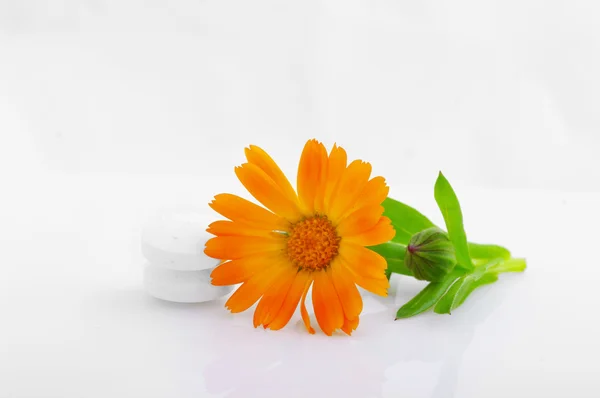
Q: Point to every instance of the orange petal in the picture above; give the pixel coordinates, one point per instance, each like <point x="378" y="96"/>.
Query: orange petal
<point x="304" y="313"/>
<point x="382" y="232"/>
<point x="366" y="262"/>
<point x="378" y="285"/>
<point x="272" y="301"/>
<point x="350" y="325"/>
<point x="240" y="270"/>
<point x="232" y="228"/>
<point x="234" y="247"/>
<point x="310" y="169"/>
<point x="360" y="221"/>
<point x="328" y="310"/>
<point x="320" y="194"/>
<point x="373" y="193"/>
<point x="250" y="291"/>
<point x="346" y="290"/>
<point x="351" y="184"/>
<point x="264" y="189"/>
<point x="243" y="211"/>
<point x="291" y="301"/>
<point x="260" y="158"/>
<point x="336" y="166"/>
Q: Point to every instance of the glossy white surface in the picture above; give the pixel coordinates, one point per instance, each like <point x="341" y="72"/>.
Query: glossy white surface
<point x="111" y="110"/>
<point x="75" y="314"/>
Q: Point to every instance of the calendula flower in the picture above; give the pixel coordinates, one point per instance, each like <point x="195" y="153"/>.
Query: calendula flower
<point x="315" y="237"/>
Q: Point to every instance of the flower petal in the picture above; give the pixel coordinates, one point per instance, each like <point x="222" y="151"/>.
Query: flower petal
<point x="328" y="310"/>
<point x="350" y="325"/>
<point x="374" y="193"/>
<point x="234" y="247"/>
<point x="347" y="292"/>
<point x="367" y="267"/>
<point x="291" y="301"/>
<point x="378" y="285"/>
<point x="335" y="168"/>
<point x="232" y="228"/>
<point x="243" y="211"/>
<point x="320" y="194"/>
<point x="348" y="189"/>
<point x="240" y="270"/>
<point x="250" y="291"/>
<point x="304" y="313"/>
<point x="272" y="301"/>
<point x="368" y="263"/>
<point x="360" y="221"/>
<point x="260" y="158"/>
<point x="382" y="232"/>
<point x="310" y="171"/>
<point x="264" y="189"/>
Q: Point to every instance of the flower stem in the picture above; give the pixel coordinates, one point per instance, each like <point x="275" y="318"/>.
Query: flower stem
<point x="394" y="254"/>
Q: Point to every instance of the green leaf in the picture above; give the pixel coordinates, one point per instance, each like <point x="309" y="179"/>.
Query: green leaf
<point x="405" y="220"/>
<point x="456" y="295"/>
<point x="428" y="296"/>
<point x="461" y="290"/>
<point x="511" y="265"/>
<point x="444" y="305"/>
<point x="485" y="252"/>
<point x="486" y="279"/>
<point x="450" y="208"/>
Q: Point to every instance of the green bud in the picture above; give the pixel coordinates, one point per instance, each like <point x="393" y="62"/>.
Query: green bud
<point x="430" y="255"/>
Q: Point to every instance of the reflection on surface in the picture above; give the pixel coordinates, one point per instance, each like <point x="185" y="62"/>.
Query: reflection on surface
<point x="374" y="362"/>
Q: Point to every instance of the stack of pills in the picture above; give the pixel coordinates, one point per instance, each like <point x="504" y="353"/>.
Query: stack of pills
<point x="177" y="268"/>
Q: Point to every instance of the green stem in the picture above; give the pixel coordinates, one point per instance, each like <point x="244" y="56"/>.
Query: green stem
<point x="391" y="250"/>
<point x="394" y="254"/>
<point x="397" y="267"/>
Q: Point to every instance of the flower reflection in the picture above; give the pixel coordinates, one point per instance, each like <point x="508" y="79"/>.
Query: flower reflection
<point x="293" y="364"/>
<point x="375" y="362"/>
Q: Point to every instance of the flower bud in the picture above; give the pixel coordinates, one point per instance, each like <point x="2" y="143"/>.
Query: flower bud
<point x="430" y="255"/>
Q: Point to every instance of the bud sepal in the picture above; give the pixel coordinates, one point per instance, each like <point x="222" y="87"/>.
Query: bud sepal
<point x="430" y="255"/>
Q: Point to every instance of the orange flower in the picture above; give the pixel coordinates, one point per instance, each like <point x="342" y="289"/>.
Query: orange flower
<point x="316" y="237"/>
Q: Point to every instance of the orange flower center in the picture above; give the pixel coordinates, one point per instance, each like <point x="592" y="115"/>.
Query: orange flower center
<point x="313" y="243"/>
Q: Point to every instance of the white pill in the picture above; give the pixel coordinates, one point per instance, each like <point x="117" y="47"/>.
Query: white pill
<point x="182" y="286"/>
<point x="175" y="237"/>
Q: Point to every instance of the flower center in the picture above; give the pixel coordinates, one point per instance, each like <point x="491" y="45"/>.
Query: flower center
<point x="313" y="243"/>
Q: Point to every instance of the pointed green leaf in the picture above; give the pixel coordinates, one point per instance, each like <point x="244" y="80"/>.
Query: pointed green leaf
<point x="456" y="295"/>
<point x="461" y="290"/>
<point x="444" y="305"/>
<point x="467" y="290"/>
<point x="428" y="296"/>
<point x="479" y="251"/>
<point x="405" y="220"/>
<point x="450" y="208"/>
<point x="511" y="265"/>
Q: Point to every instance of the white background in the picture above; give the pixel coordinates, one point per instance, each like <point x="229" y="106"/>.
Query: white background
<point x="111" y="109"/>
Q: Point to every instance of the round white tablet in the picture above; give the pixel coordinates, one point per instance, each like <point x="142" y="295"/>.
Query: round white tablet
<point x="175" y="237"/>
<point x="182" y="286"/>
